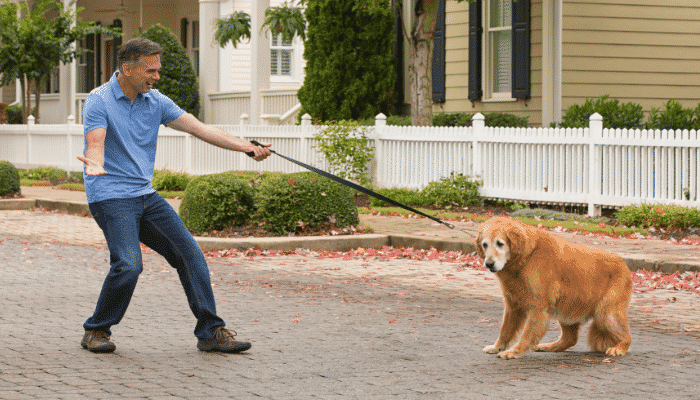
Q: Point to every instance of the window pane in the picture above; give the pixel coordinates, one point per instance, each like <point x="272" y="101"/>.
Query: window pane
<point x="195" y="34"/>
<point x="500" y="13"/>
<point x="286" y="67"/>
<point x="502" y="61"/>
<point x="274" y="63"/>
<point x="275" y="40"/>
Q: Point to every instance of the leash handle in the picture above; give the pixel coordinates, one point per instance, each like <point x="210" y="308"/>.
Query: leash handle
<point x="255" y="142"/>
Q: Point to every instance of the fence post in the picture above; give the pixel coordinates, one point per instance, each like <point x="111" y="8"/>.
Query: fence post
<point x="478" y="131"/>
<point x="595" y="172"/>
<point x="69" y="143"/>
<point x="379" y="124"/>
<point x="305" y="139"/>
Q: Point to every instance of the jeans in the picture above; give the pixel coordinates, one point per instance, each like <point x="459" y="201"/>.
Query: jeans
<point x="151" y="220"/>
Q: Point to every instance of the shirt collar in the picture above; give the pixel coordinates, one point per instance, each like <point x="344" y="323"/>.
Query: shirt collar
<point x="117" y="89"/>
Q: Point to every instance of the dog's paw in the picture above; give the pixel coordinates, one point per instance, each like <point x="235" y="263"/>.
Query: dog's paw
<point x="491" y="349"/>
<point x="509" y="354"/>
<point x="614" y="351"/>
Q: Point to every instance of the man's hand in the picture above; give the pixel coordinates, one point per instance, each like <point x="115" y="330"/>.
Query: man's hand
<point x="92" y="167"/>
<point x="261" y="153"/>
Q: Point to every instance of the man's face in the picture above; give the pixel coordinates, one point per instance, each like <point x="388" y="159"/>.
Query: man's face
<point x="144" y="74"/>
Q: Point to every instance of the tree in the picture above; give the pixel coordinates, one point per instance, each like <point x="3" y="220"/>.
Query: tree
<point x="349" y="64"/>
<point x="177" y="77"/>
<point x="420" y="39"/>
<point x="34" y="41"/>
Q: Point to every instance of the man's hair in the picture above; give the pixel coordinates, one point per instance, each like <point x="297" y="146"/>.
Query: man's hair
<point x="132" y="51"/>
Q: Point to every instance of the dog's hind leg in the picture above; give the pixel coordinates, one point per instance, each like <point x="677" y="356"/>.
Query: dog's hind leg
<point x="610" y="332"/>
<point x="568" y="338"/>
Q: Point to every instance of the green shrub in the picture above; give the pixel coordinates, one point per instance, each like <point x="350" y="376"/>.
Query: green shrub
<point x="397" y="120"/>
<point x="213" y="202"/>
<point x="349" y="64"/>
<point x="456" y="190"/>
<point x="44" y="173"/>
<point x="14" y="114"/>
<point x="490" y="119"/>
<point x="452" y="119"/>
<point x="289" y="202"/>
<point x="409" y="197"/>
<point x="506" y="120"/>
<point x="347" y="149"/>
<point x="177" y="77"/>
<point x="615" y="114"/>
<point x="9" y="178"/>
<point x="674" y="116"/>
<point x="658" y="216"/>
<point x="168" y="180"/>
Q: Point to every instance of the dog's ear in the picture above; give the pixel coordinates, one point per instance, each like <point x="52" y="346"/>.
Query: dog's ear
<point x="479" y="250"/>
<point x="522" y="242"/>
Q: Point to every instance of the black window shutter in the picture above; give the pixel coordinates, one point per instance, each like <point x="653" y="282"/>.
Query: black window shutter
<point x="183" y="32"/>
<point x="521" y="49"/>
<point x="475" y="32"/>
<point x="438" y="80"/>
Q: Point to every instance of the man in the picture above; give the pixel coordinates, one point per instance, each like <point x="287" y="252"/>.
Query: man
<point x="121" y="120"/>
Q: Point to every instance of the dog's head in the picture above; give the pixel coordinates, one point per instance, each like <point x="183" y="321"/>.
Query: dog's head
<point x="502" y="241"/>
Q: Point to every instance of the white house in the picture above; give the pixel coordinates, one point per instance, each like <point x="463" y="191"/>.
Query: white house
<point x="264" y="66"/>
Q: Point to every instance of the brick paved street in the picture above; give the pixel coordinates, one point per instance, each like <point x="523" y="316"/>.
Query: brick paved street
<point x="321" y="328"/>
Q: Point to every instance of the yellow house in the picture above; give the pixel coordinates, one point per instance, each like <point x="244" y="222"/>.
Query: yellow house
<point x="640" y="51"/>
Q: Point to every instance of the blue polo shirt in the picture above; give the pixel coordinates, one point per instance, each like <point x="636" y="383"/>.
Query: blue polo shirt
<point x="130" y="143"/>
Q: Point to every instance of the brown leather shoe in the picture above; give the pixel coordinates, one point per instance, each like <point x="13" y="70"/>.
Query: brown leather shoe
<point x="223" y="342"/>
<point x="97" y="342"/>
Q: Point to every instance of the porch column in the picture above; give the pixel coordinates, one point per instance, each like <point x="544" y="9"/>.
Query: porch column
<point x="260" y="60"/>
<point x="551" y="61"/>
<point x="67" y="74"/>
<point x="208" y="56"/>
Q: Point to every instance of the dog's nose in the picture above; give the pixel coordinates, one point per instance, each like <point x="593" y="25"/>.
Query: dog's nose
<point x="491" y="265"/>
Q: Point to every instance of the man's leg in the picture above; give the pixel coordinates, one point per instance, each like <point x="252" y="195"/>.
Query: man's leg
<point x="118" y="219"/>
<point x="163" y="231"/>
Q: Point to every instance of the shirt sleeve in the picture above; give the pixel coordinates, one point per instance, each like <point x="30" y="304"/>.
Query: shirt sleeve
<point x="94" y="113"/>
<point x="169" y="110"/>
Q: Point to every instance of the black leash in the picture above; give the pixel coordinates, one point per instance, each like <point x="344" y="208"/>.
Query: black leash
<point x="360" y="189"/>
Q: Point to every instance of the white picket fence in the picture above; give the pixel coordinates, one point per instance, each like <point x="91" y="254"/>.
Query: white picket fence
<point x="589" y="166"/>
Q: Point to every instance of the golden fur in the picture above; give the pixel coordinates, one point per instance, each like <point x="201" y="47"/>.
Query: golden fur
<point x="544" y="276"/>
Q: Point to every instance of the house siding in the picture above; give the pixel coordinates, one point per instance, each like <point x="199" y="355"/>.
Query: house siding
<point x="640" y="51"/>
<point x="457" y="67"/>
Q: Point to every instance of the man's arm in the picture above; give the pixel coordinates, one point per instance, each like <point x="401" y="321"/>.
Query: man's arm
<point x="218" y="137"/>
<point x="95" y="152"/>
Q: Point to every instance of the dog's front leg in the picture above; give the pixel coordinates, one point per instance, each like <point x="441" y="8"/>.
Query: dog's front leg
<point x="513" y="320"/>
<point x="535" y="328"/>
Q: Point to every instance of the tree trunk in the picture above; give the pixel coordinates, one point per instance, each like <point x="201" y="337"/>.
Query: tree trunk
<point x="37" y="97"/>
<point x="26" y="100"/>
<point x="420" y="68"/>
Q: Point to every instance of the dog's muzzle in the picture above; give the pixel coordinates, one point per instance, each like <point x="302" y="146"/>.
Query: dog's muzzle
<point x="491" y="265"/>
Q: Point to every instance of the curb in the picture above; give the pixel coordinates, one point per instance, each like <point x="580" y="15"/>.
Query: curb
<point x="341" y="243"/>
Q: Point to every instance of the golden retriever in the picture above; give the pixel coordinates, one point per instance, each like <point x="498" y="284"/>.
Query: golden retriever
<point x="544" y="276"/>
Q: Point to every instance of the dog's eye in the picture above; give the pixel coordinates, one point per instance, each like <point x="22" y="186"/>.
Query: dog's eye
<point x="484" y="245"/>
<point x="500" y="244"/>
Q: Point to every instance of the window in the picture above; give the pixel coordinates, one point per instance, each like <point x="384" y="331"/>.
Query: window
<point x="502" y="29"/>
<point x="498" y="44"/>
<point x="281" y="53"/>
<point x="190" y="41"/>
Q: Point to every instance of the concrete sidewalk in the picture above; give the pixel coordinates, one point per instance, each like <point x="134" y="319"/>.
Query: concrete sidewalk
<point x="649" y="254"/>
